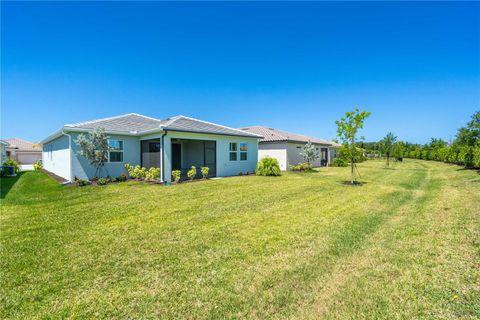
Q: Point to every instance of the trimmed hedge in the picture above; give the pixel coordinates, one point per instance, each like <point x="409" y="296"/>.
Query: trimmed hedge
<point x="462" y="155"/>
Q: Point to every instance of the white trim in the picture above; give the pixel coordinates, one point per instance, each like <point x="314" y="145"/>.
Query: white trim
<point x="122" y="151"/>
<point x="58" y="133"/>
<point x="230" y="151"/>
<point x="240" y="151"/>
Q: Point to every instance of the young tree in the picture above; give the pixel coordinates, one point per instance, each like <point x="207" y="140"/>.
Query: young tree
<point x="347" y="129"/>
<point x="94" y="148"/>
<point x="470" y="135"/>
<point x="387" y="145"/>
<point x="309" y="153"/>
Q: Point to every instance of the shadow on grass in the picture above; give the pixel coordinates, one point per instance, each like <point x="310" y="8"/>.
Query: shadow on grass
<point x="6" y="183"/>
<point x="354" y="184"/>
<point x="305" y="171"/>
<point x="469" y="169"/>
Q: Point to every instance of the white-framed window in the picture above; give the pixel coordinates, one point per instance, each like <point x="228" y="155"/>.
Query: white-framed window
<point x="233" y="151"/>
<point x="243" y="151"/>
<point x="115" y="153"/>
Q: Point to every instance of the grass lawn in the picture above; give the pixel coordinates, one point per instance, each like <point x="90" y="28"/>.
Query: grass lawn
<point x="406" y="244"/>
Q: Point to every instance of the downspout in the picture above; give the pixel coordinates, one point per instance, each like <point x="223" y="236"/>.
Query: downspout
<point x="162" y="178"/>
<point x="70" y="149"/>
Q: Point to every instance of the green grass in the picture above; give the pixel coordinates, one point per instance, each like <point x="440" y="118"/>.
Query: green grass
<point x="406" y="244"/>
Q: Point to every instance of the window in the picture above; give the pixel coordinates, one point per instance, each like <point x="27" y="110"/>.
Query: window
<point x="233" y="151"/>
<point x="115" y="153"/>
<point x="243" y="151"/>
<point x="154" y="147"/>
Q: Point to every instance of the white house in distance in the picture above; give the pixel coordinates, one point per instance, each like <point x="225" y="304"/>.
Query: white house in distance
<point x="286" y="146"/>
<point x="23" y="151"/>
<point x="175" y="143"/>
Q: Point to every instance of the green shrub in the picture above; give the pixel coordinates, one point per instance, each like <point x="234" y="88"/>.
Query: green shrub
<point x="37" y="166"/>
<point x="176" y="175"/>
<point x="122" y="177"/>
<point x="339" y="162"/>
<point x="204" y="171"/>
<point x="466" y="156"/>
<point x="301" y="167"/>
<point x="136" y="172"/>
<point x="268" y="167"/>
<point x="3" y="172"/>
<point x="12" y="163"/>
<point x="102" y="181"/>
<point x="152" y="173"/>
<point x="476" y="157"/>
<point x="192" y="173"/>
<point x="80" y="182"/>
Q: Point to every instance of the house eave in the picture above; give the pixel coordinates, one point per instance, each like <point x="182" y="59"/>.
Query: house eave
<point x="215" y="133"/>
<point x="64" y="129"/>
<point x="60" y="132"/>
<point x="297" y="141"/>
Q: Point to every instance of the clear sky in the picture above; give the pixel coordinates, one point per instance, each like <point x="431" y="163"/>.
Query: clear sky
<point x="292" y="66"/>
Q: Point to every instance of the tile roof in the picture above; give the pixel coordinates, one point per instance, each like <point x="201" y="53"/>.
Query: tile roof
<point x="22" y="145"/>
<point x="275" y="135"/>
<point x="128" y="123"/>
<point x="137" y="124"/>
<point x="183" y="123"/>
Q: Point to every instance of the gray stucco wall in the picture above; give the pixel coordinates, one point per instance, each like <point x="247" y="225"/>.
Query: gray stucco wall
<point x="60" y="162"/>
<point x="56" y="157"/>
<point x="225" y="167"/>
<point x="82" y="168"/>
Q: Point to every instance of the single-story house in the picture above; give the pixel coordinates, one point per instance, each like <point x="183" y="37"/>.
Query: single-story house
<point x="3" y="151"/>
<point x="286" y="146"/>
<point x="175" y="143"/>
<point x="25" y="152"/>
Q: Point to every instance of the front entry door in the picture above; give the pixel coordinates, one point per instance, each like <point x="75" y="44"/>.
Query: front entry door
<point x="210" y="157"/>
<point x="324" y="158"/>
<point x="176" y="156"/>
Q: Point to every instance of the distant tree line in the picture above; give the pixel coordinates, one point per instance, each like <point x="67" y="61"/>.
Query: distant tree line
<point x="464" y="150"/>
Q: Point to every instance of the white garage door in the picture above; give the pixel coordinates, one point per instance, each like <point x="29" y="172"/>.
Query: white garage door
<point x="28" y="158"/>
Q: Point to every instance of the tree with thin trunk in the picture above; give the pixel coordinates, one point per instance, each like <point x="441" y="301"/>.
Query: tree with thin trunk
<point x="347" y="130"/>
<point x="387" y="145"/>
<point x="94" y="148"/>
<point x="309" y="153"/>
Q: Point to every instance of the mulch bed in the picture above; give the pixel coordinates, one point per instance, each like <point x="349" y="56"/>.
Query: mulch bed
<point x="55" y="177"/>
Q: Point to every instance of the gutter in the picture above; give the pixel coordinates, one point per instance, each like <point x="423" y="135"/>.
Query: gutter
<point x="70" y="150"/>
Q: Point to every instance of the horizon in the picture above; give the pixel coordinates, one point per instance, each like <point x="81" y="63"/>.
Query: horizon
<point x="296" y="67"/>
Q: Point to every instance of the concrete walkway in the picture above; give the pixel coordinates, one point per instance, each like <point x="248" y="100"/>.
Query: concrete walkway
<point x="26" y="167"/>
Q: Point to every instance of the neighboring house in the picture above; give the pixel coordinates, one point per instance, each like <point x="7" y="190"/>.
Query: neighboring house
<point x="25" y="152"/>
<point x="286" y="147"/>
<point x="172" y="144"/>
<point x="3" y="151"/>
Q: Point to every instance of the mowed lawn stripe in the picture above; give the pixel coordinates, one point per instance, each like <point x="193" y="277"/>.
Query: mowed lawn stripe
<point x="296" y="246"/>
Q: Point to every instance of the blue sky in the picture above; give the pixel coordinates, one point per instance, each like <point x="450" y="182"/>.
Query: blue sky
<point x="293" y="66"/>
